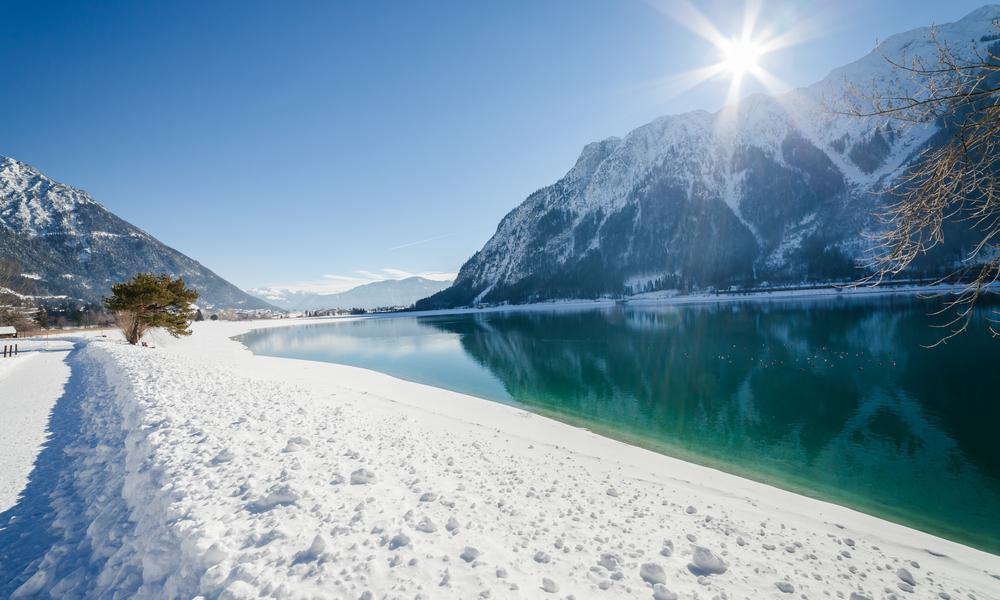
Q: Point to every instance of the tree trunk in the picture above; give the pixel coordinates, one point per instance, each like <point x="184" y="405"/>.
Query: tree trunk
<point x="133" y="337"/>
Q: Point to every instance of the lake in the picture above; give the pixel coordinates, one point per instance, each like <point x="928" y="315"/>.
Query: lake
<point x="833" y="398"/>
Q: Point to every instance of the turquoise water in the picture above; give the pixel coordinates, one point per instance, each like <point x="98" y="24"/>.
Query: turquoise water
<point x="835" y="398"/>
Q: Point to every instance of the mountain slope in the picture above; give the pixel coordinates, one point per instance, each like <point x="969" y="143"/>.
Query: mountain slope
<point x="66" y="244"/>
<point x="391" y="292"/>
<point x="775" y="190"/>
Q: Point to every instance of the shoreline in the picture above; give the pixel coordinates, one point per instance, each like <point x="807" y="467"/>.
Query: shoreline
<point x="585" y="431"/>
<point x="652" y="299"/>
<point x="532" y="497"/>
<point x="767" y="477"/>
<point x="610" y="432"/>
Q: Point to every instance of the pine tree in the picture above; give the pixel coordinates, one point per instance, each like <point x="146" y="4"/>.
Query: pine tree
<point x="150" y="301"/>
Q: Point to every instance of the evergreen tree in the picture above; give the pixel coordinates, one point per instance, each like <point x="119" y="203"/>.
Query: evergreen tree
<point x="149" y="301"/>
<point x="42" y="318"/>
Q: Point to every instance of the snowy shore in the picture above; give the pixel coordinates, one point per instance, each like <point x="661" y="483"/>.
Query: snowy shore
<point x="195" y="468"/>
<point x="665" y="298"/>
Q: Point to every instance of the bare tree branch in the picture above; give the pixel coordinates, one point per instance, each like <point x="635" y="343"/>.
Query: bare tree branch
<point x="954" y="182"/>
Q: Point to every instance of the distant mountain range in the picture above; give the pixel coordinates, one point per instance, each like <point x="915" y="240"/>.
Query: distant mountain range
<point x="777" y="190"/>
<point x="67" y="245"/>
<point x="391" y="292"/>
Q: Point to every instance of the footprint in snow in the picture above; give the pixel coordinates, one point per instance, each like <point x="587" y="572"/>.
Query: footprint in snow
<point x="296" y="444"/>
<point x="705" y="562"/>
<point x="361" y="477"/>
<point x="278" y="496"/>
<point x="426" y="525"/>
<point x="314" y="551"/>
<point x="223" y="457"/>
<point x="652" y="573"/>
<point x="469" y="554"/>
<point x="785" y="587"/>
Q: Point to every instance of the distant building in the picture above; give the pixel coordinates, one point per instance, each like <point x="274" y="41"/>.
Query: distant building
<point x="8" y="331"/>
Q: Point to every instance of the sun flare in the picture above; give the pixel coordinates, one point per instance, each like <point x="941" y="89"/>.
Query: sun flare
<point x="739" y="56"/>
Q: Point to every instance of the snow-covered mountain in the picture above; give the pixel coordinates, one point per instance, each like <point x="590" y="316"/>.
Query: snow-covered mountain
<point x="391" y="292"/>
<point x="774" y="190"/>
<point x="66" y="244"/>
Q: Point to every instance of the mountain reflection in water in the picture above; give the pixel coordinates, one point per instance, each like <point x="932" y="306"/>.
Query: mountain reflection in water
<point x="837" y="399"/>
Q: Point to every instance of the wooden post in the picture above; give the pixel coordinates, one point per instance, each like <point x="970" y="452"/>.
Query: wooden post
<point x="15" y="349"/>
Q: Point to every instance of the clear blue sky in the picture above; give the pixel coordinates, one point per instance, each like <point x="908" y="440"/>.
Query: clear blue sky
<point x="278" y="142"/>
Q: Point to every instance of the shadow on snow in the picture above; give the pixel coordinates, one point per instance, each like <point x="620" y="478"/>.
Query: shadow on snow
<point x="44" y="535"/>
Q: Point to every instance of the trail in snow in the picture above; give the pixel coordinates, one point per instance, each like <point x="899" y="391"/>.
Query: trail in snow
<point x="30" y="383"/>
<point x="61" y="538"/>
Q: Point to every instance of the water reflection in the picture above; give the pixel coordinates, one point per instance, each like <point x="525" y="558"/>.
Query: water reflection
<point x="836" y="398"/>
<point x="405" y="347"/>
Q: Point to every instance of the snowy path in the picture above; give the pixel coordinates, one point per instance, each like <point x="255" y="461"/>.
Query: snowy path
<point x="30" y="383"/>
<point x="61" y="535"/>
<point x="196" y="468"/>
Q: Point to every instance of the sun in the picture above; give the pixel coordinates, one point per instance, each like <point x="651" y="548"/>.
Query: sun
<point x="739" y="56"/>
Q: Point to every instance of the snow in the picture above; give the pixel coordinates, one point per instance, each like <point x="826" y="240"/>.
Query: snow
<point x="34" y="205"/>
<point x="29" y="385"/>
<point x="479" y="297"/>
<point x="694" y="150"/>
<point x="10" y="292"/>
<point x="195" y="468"/>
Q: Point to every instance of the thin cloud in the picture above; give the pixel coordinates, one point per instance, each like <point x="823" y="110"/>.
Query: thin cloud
<point x="342" y="278"/>
<point x="397" y="273"/>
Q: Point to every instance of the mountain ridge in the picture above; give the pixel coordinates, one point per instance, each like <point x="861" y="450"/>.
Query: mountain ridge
<point x="67" y="245"/>
<point x="776" y="189"/>
<point x="377" y="294"/>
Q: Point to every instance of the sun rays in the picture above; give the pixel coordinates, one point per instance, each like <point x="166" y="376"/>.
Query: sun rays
<point x="739" y="55"/>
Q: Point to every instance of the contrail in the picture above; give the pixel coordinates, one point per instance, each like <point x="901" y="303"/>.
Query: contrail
<point x="407" y="245"/>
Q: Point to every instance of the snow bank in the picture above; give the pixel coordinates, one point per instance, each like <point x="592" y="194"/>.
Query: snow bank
<point x="199" y="469"/>
<point x="101" y="507"/>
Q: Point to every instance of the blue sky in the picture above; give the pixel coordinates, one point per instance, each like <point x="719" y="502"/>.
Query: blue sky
<point x="322" y="144"/>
